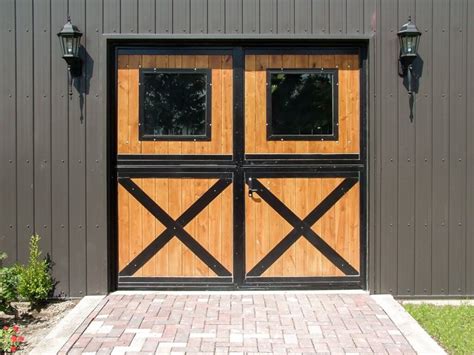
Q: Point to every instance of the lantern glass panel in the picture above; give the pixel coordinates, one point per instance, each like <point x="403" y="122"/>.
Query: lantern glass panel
<point x="62" y="41"/>
<point x="409" y="44"/>
<point x="75" y="46"/>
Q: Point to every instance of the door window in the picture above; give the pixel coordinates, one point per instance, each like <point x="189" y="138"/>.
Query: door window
<point x="175" y="104"/>
<point x="302" y="104"/>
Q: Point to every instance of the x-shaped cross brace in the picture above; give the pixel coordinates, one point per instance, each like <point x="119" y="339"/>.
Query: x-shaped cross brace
<point x="174" y="227"/>
<point x="302" y="228"/>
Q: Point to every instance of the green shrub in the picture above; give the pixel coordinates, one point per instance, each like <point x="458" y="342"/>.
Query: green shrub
<point x="8" y="288"/>
<point x="35" y="283"/>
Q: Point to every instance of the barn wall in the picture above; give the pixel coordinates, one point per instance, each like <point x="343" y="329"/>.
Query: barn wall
<point x="53" y="158"/>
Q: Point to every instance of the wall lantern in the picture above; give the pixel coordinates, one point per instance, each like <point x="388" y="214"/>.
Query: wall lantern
<point x="70" y="38"/>
<point x="409" y="37"/>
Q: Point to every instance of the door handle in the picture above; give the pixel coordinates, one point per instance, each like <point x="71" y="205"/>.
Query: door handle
<point x="251" y="188"/>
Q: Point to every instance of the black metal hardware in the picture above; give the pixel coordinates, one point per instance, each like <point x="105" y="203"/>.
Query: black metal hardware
<point x="251" y="188"/>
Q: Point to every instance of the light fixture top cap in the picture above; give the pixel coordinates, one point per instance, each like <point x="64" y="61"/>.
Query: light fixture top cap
<point x="69" y="29"/>
<point x="409" y="28"/>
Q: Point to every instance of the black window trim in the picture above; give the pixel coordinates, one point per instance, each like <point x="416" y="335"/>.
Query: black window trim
<point x="150" y="137"/>
<point x="335" y="106"/>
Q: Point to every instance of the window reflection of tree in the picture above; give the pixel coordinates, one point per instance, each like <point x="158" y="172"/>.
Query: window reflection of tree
<point x="175" y="104"/>
<point x="301" y="103"/>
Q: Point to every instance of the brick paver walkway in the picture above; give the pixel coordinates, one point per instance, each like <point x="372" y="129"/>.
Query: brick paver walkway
<point x="272" y="323"/>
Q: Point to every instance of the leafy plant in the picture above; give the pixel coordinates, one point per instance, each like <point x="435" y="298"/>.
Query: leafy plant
<point x="10" y="340"/>
<point x="8" y="288"/>
<point x="35" y="283"/>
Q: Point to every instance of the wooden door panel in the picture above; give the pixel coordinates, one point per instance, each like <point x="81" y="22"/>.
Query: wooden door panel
<point x="128" y="74"/>
<point x="210" y="228"/>
<point x="347" y="66"/>
<point x="269" y="225"/>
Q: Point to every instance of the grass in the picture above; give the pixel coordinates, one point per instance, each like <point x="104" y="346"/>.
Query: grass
<point x="451" y="326"/>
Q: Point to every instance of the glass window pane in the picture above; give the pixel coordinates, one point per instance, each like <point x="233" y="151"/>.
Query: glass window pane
<point x="302" y="104"/>
<point x="174" y="104"/>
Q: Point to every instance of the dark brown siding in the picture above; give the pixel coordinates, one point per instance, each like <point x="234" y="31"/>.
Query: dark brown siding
<point x="53" y="151"/>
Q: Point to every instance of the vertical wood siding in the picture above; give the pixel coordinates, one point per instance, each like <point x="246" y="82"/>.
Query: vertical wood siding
<point x="53" y="150"/>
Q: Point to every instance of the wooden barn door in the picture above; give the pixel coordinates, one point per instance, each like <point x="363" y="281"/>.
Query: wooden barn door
<point x="239" y="168"/>
<point x="304" y="168"/>
<point x="175" y="203"/>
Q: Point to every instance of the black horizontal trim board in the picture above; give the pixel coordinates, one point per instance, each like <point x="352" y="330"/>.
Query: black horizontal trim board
<point x="288" y="172"/>
<point x="174" y="228"/>
<point x="301" y="50"/>
<point x="173" y="157"/>
<point x="302" y="279"/>
<point x="303" y="228"/>
<point x="175" y="172"/>
<point x="307" y="157"/>
<point x="170" y="50"/>
<point x="180" y="279"/>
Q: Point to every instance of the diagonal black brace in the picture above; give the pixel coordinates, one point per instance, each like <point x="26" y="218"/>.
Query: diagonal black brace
<point x="303" y="228"/>
<point x="174" y="228"/>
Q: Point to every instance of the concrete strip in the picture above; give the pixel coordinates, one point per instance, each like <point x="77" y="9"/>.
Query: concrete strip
<point x="466" y="302"/>
<point x="418" y="338"/>
<point x="243" y="293"/>
<point x="59" y="335"/>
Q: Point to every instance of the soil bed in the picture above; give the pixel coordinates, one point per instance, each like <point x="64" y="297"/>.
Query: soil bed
<point x="34" y="326"/>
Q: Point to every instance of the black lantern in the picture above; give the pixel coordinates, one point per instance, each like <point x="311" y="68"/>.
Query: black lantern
<point x="70" y="40"/>
<point x="409" y="37"/>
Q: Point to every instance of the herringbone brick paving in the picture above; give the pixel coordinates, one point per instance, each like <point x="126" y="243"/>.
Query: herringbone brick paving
<point x="265" y="323"/>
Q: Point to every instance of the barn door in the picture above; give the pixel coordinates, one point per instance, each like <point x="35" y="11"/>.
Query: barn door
<point x="239" y="168"/>
<point x="303" y="171"/>
<point x="174" y="116"/>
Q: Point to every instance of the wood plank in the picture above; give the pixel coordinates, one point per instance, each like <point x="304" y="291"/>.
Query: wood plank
<point x="188" y="259"/>
<point x="228" y="89"/>
<point x="301" y="210"/>
<point x="215" y="212"/>
<point x="148" y="225"/>
<point x="250" y="230"/>
<point x="250" y="105"/>
<point x="161" y="197"/>
<point x="202" y="61"/>
<point x="135" y="241"/>
<point x="122" y="104"/>
<point x="133" y="108"/>
<point x="289" y="199"/>
<point x="123" y="227"/>
<point x="261" y="64"/>
<point x="227" y="228"/>
<point x="215" y="63"/>
<point x="275" y="230"/>
<point x="175" y="265"/>
<point x="148" y="61"/>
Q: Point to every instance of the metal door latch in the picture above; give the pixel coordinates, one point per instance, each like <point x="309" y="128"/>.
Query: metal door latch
<point x="251" y="188"/>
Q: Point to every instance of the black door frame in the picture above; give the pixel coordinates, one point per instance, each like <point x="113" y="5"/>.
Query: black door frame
<point x="239" y="166"/>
